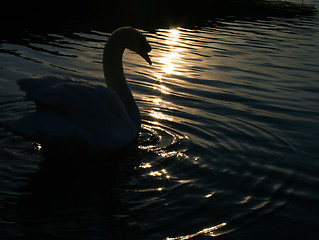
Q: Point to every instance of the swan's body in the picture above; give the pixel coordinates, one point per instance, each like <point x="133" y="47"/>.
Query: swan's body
<point x="76" y="113"/>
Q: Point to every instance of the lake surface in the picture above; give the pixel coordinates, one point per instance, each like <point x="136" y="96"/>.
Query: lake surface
<point x="229" y="144"/>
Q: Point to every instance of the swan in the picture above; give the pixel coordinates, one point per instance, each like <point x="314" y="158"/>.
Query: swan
<point x="74" y="114"/>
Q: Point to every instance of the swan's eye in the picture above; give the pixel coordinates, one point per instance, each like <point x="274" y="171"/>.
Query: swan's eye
<point x="145" y="46"/>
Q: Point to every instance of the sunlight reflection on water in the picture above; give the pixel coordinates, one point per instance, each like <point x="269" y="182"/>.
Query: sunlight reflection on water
<point x="231" y="71"/>
<point x="207" y="231"/>
<point x="170" y="60"/>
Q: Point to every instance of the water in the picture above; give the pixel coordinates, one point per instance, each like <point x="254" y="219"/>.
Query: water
<point x="228" y="148"/>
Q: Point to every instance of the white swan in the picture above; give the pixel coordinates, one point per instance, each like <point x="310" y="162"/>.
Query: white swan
<point x="75" y="113"/>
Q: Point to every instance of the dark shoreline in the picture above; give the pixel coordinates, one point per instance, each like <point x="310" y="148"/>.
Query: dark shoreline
<point x="108" y="15"/>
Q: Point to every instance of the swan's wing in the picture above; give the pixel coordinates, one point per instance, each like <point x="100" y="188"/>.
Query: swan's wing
<point x="42" y="126"/>
<point x="71" y="111"/>
<point x="34" y="84"/>
<point x="92" y="107"/>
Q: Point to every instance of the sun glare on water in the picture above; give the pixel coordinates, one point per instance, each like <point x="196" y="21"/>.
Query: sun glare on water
<point x="207" y="231"/>
<point x="171" y="58"/>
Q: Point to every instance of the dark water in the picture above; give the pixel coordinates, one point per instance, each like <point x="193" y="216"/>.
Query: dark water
<point x="228" y="150"/>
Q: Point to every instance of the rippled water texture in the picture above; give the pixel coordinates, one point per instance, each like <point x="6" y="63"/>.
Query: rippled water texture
<point x="229" y="146"/>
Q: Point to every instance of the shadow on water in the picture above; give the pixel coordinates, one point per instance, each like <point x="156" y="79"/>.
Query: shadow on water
<point x="54" y="196"/>
<point x="53" y="201"/>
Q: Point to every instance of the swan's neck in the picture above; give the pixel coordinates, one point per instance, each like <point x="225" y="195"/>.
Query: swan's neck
<point x="115" y="79"/>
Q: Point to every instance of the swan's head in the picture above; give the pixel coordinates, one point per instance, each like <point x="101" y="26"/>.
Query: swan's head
<point x="135" y="41"/>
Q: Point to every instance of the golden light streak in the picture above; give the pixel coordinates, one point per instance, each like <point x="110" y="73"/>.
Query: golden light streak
<point x="209" y="195"/>
<point x="206" y="231"/>
<point x="145" y="165"/>
<point x="160" y="116"/>
<point x="160" y="173"/>
<point x="171" y="58"/>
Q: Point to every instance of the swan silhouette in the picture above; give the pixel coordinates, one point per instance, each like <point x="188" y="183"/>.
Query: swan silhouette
<point x="84" y="116"/>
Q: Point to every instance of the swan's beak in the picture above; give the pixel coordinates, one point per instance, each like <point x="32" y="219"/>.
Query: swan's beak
<point x="146" y="57"/>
